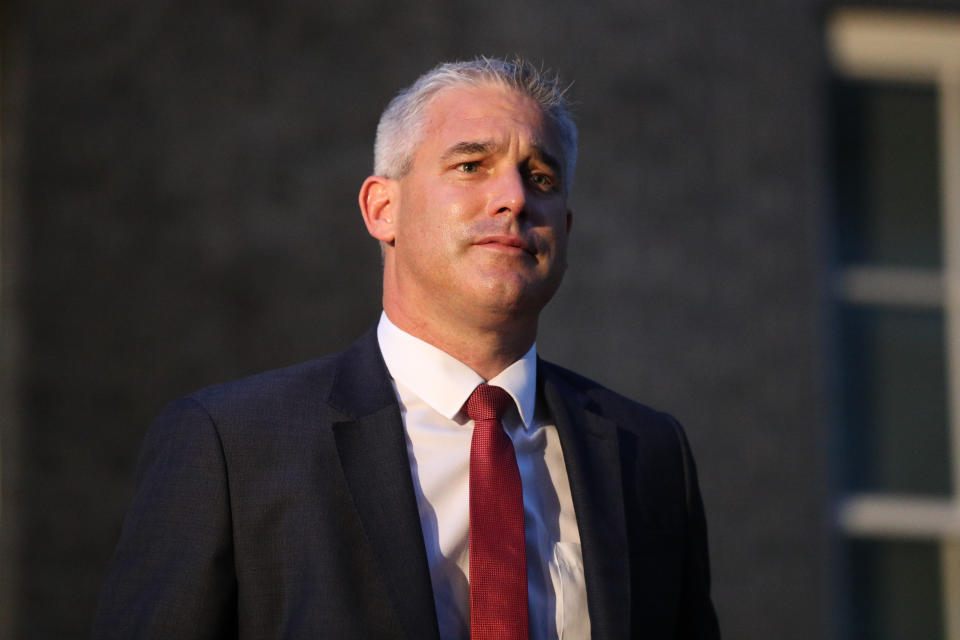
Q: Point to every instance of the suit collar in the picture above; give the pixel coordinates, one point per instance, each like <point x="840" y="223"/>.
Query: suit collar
<point x="592" y="457"/>
<point x="445" y="383"/>
<point x="361" y="386"/>
<point x="372" y="448"/>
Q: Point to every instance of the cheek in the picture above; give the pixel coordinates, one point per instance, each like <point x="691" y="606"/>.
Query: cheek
<point x="437" y="235"/>
<point x="556" y="234"/>
<point x="452" y="226"/>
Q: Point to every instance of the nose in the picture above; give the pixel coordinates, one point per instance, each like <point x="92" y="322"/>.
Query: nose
<point x="508" y="194"/>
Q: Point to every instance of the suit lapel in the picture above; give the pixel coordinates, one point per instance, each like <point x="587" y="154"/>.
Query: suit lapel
<point x="592" y="459"/>
<point x="373" y="453"/>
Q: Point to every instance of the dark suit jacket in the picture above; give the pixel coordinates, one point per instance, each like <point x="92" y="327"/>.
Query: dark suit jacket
<point x="282" y="506"/>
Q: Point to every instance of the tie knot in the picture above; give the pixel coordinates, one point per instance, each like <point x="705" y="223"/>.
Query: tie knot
<point x="488" y="402"/>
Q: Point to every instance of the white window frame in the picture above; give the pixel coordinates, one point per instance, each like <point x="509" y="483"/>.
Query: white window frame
<point x="906" y="46"/>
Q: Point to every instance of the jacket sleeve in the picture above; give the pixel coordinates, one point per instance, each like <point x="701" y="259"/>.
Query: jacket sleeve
<point x="697" y="620"/>
<point x="172" y="575"/>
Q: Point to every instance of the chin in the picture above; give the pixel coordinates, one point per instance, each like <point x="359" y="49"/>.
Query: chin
<point x="514" y="302"/>
<point x="511" y="290"/>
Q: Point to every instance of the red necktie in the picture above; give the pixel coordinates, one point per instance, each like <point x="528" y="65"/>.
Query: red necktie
<point x="498" y="556"/>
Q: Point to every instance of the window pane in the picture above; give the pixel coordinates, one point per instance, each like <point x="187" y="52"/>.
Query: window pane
<point x="894" y="401"/>
<point x="887" y="176"/>
<point x="895" y="590"/>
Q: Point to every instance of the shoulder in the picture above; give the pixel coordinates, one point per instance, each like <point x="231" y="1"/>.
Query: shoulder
<point x="249" y="412"/>
<point x="340" y="383"/>
<point x="279" y="386"/>
<point x="653" y="447"/>
<point x="605" y="401"/>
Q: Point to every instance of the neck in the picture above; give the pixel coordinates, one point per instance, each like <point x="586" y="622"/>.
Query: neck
<point x="487" y="348"/>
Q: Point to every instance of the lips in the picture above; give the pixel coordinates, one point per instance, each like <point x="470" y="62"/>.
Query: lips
<point x="505" y="242"/>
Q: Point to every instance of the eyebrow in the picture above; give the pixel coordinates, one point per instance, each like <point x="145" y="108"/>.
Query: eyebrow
<point x="467" y="148"/>
<point x="548" y="159"/>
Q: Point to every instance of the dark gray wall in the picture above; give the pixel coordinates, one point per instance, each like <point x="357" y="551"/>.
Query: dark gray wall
<point x="186" y="214"/>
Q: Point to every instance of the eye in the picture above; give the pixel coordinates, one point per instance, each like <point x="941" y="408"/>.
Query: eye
<point x="543" y="181"/>
<point x="468" y="167"/>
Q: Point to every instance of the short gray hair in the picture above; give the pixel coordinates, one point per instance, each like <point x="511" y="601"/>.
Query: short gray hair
<point x="400" y="129"/>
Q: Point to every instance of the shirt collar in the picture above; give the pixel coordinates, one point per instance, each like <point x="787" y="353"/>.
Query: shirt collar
<point x="445" y="383"/>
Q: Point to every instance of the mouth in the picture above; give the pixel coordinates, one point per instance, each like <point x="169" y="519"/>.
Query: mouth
<point x="505" y="243"/>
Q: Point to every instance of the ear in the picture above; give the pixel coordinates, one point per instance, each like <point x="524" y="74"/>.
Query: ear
<point x="377" y="196"/>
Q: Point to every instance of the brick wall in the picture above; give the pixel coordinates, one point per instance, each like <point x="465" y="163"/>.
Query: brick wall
<point x="187" y="214"/>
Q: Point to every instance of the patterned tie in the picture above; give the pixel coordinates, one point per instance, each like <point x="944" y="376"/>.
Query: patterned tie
<point x="498" y="557"/>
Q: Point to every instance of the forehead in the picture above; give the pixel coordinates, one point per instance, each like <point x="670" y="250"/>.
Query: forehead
<point x="485" y="113"/>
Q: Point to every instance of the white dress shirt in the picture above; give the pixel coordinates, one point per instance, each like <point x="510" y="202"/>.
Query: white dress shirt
<point x="432" y="388"/>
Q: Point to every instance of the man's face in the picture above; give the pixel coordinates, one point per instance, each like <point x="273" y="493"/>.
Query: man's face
<point x="480" y="220"/>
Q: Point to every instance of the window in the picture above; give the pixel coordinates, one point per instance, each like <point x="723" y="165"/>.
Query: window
<point x="896" y="106"/>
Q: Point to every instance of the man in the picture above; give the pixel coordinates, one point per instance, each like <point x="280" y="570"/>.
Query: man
<point x="435" y="480"/>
